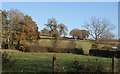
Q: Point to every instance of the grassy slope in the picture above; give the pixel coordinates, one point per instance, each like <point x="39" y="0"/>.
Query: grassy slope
<point x="43" y="61"/>
<point x="86" y="45"/>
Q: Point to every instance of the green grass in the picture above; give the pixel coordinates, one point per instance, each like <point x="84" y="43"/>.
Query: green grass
<point x="42" y="62"/>
<point x="86" y="45"/>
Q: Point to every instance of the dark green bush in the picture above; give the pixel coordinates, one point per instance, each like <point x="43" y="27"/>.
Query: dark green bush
<point x="104" y="53"/>
<point x="4" y="45"/>
<point x="79" y="51"/>
<point x="69" y="50"/>
<point x="8" y="62"/>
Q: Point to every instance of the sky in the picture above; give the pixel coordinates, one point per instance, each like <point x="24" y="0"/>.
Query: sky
<point x="60" y="0"/>
<point x="72" y="14"/>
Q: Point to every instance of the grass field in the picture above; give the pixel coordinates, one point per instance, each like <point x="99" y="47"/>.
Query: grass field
<point x="42" y="62"/>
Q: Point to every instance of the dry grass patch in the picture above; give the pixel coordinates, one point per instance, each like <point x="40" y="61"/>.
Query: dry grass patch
<point x="8" y="50"/>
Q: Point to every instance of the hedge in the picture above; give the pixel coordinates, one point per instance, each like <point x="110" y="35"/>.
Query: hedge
<point x="104" y="53"/>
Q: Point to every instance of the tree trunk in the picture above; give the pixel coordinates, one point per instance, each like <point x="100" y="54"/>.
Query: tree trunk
<point x="18" y="44"/>
<point x="96" y="42"/>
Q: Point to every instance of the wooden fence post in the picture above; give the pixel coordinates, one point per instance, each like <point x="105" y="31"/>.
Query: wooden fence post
<point x="53" y="62"/>
<point x="113" y="65"/>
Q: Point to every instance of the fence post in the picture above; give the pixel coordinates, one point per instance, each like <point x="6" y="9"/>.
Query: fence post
<point x="53" y="62"/>
<point x="113" y="65"/>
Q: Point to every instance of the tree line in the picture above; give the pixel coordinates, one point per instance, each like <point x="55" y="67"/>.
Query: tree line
<point x="18" y="27"/>
<point x="60" y="30"/>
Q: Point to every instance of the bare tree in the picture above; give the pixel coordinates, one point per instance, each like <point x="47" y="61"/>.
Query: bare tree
<point x="97" y="27"/>
<point x="106" y="37"/>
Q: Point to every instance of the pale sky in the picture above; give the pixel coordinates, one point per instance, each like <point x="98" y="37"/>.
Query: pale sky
<point x="72" y="14"/>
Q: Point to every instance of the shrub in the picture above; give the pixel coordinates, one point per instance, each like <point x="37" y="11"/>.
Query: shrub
<point x="79" y="51"/>
<point x="118" y="54"/>
<point x="70" y="50"/>
<point x="103" y="53"/>
<point x="77" y="66"/>
<point x="93" y="46"/>
<point x="4" y="45"/>
<point x="50" y="49"/>
<point x="8" y="62"/>
<point x="22" y="47"/>
<point x="36" y="48"/>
